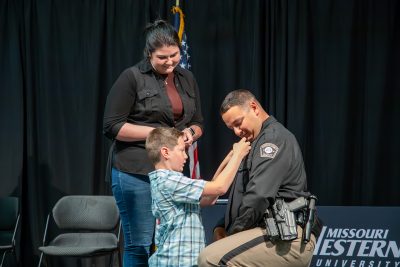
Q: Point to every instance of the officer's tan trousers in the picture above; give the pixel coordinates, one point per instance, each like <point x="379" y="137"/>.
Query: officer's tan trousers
<point x="252" y="248"/>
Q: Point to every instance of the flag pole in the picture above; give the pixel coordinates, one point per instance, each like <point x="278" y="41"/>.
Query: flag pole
<point x="184" y="63"/>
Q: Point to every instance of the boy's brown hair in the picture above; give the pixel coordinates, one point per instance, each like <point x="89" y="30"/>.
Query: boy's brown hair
<point x="159" y="137"/>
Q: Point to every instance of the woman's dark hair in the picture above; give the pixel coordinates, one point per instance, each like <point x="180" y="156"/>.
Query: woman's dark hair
<point x="159" y="34"/>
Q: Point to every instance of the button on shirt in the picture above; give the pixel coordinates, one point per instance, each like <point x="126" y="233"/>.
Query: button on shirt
<point x="176" y="204"/>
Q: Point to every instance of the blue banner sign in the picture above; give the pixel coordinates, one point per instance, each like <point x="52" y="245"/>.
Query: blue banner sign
<point x="352" y="236"/>
<point x="358" y="237"/>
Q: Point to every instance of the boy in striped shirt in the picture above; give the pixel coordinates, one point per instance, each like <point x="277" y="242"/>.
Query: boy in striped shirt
<point x="176" y="199"/>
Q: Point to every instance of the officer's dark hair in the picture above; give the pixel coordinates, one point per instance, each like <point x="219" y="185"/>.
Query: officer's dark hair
<point x="161" y="137"/>
<point x="158" y="34"/>
<point x="236" y="98"/>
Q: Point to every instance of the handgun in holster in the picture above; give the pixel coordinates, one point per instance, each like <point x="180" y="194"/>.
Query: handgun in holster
<point x="282" y="218"/>
<point x="270" y="226"/>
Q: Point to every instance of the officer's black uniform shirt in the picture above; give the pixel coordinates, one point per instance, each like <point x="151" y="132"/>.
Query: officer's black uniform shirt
<point x="274" y="168"/>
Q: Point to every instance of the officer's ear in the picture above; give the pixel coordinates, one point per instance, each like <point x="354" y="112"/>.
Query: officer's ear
<point x="254" y="107"/>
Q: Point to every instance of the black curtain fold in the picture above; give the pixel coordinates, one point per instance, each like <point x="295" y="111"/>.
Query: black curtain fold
<point x="328" y="70"/>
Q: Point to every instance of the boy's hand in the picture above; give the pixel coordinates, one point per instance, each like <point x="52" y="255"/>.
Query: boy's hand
<point x="241" y="148"/>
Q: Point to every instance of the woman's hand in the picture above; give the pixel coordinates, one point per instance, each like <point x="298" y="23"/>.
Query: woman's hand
<point x="188" y="137"/>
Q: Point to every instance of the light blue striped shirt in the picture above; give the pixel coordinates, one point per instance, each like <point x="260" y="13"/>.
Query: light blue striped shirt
<point x="176" y="204"/>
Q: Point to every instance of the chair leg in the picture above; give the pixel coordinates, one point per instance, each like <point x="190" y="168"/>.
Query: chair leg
<point x="111" y="260"/>
<point x="119" y="258"/>
<point x="2" y="260"/>
<point x="4" y="256"/>
<point x="40" y="260"/>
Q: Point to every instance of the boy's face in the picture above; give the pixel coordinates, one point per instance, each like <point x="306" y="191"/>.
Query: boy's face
<point x="178" y="156"/>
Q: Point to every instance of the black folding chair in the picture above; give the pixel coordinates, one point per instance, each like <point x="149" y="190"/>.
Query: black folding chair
<point x="90" y="227"/>
<point x="9" y="221"/>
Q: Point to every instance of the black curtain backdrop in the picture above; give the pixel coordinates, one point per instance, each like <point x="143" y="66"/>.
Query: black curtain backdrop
<point x="327" y="69"/>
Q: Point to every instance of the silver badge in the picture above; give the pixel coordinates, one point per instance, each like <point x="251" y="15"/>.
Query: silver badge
<point x="268" y="150"/>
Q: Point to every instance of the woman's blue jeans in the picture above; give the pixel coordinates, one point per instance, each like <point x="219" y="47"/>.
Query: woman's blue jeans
<point x="133" y="197"/>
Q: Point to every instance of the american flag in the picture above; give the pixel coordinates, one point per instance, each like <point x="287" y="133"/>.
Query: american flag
<point x="194" y="165"/>
<point x="185" y="63"/>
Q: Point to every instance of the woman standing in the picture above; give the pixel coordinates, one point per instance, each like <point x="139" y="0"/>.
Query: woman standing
<point x="155" y="92"/>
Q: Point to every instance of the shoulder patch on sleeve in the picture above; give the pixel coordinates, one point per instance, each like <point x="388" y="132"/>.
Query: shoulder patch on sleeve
<point x="268" y="150"/>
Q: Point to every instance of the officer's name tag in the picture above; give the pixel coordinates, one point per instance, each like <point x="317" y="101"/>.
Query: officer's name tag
<point x="268" y="150"/>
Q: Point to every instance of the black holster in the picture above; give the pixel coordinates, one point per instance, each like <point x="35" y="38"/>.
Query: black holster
<point x="282" y="218"/>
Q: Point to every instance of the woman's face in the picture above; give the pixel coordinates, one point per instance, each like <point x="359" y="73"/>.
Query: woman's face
<point x="165" y="59"/>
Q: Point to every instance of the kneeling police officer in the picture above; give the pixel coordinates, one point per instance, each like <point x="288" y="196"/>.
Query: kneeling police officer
<point x="270" y="218"/>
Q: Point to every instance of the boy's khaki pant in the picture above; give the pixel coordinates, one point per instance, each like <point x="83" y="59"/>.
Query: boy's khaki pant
<point x="252" y="248"/>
